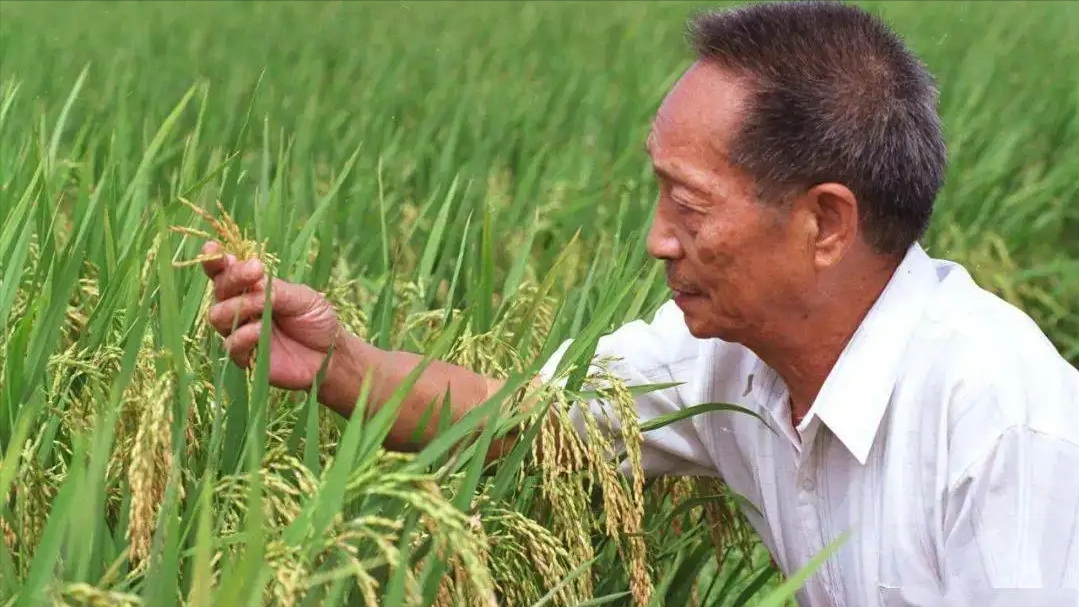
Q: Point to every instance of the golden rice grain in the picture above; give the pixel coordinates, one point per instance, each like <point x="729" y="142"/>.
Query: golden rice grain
<point x="229" y="234"/>
<point x="149" y="468"/>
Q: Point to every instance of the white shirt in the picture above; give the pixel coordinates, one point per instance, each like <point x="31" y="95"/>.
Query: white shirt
<point x="945" y="440"/>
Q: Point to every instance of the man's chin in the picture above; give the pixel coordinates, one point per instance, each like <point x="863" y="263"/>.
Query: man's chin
<point x="703" y="330"/>
<point x="701" y="321"/>
<point x="696" y="314"/>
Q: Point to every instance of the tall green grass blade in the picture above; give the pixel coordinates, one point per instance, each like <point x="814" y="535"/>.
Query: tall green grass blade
<point x="302" y="242"/>
<point x="14" y="266"/>
<point x="435" y="238"/>
<point x="199" y="594"/>
<point x="53" y="539"/>
<point x="756" y="583"/>
<point x="661" y="421"/>
<point x="63" y="284"/>
<point x="61" y="120"/>
<point x="785" y="591"/>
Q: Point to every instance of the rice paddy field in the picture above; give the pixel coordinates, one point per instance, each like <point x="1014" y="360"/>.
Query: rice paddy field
<point x="463" y="180"/>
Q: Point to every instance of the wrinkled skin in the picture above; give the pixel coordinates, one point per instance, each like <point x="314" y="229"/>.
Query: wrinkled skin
<point x="304" y="322"/>
<point x="734" y="263"/>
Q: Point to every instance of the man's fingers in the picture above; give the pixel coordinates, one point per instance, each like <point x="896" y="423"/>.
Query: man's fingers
<point x="213" y="267"/>
<point x="237" y="278"/>
<point x="235" y="312"/>
<point x="286" y="299"/>
<point x="242" y="343"/>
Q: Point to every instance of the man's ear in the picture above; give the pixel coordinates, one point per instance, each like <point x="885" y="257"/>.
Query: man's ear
<point x="831" y="213"/>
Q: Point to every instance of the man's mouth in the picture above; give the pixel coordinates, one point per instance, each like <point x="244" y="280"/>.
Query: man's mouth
<point x="682" y="295"/>
<point x="682" y="290"/>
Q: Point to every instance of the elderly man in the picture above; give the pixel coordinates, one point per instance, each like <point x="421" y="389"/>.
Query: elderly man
<point x="798" y="160"/>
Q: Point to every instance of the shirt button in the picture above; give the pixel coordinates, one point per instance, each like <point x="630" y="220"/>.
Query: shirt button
<point x="808" y="485"/>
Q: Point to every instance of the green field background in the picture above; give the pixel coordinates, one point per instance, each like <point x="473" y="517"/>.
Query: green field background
<point x="410" y="158"/>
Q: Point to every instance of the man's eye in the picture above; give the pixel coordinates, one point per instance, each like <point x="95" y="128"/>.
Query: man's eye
<point x="684" y="205"/>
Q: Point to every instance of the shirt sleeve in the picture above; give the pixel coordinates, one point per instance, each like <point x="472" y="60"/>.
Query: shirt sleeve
<point x="641" y="353"/>
<point x="1014" y="539"/>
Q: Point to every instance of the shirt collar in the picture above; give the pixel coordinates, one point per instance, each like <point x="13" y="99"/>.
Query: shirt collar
<point x="856" y="393"/>
<point x="854" y="397"/>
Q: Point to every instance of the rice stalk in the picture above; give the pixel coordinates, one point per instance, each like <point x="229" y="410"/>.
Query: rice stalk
<point x="522" y="547"/>
<point x="570" y="463"/>
<point x="7" y="534"/>
<point x="32" y="496"/>
<point x="149" y="468"/>
<point x="85" y="595"/>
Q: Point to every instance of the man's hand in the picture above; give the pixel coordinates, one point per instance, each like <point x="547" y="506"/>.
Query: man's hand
<point x="304" y="323"/>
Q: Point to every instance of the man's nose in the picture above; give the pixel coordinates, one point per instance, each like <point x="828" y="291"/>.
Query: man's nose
<point x="662" y="243"/>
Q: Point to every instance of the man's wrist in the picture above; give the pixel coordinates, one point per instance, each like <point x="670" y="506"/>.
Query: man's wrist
<point x="344" y="374"/>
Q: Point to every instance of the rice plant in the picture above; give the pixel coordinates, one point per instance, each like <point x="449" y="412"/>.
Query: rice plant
<point x="464" y="181"/>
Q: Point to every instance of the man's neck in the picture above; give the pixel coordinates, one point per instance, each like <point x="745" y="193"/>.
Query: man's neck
<point x="807" y="348"/>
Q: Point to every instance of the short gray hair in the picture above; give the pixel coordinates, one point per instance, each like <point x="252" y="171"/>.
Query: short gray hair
<point x="836" y="96"/>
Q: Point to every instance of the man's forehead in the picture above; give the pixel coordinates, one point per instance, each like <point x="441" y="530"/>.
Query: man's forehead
<point x="692" y="171"/>
<point x="700" y="113"/>
<point x="666" y="148"/>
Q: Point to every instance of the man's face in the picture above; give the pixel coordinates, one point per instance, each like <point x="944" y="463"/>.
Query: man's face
<point x="735" y="265"/>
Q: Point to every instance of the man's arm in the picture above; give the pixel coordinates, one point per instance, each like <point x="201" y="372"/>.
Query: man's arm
<point x="645" y="352"/>
<point x="356" y="360"/>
